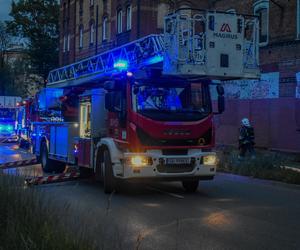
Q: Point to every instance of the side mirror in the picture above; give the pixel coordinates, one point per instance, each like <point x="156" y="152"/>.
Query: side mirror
<point x="113" y="102"/>
<point x="221" y="104"/>
<point x="220" y="90"/>
<point x="110" y="85"/>
<point x="136" y="90"/>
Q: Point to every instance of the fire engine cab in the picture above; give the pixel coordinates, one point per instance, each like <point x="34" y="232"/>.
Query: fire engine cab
<point x="144" y="110"/>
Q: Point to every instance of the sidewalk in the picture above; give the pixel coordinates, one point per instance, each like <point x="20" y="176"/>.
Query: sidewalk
<point x="267" y="165"/>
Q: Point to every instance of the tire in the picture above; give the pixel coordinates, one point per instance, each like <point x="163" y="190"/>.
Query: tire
<point x="190" y="186"/>
<point x="98" y="169"/>
<point x="109" y="182"/>
<point x="48" y="165"/>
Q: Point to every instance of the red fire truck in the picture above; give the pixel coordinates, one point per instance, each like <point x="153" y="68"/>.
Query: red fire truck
<point x="144" y="110"/>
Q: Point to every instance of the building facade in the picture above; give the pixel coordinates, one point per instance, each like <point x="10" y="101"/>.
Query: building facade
<point x="272" y="104"/>
<point x="89" y="27"/>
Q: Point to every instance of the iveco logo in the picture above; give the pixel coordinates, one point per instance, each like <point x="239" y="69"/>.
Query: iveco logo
<point x="177" y="132"/>
<point x="201" y="142"/>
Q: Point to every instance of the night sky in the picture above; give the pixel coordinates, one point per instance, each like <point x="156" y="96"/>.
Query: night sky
<point x="4" y="9"/>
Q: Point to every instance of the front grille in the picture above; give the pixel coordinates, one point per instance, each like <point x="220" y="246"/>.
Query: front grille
<point x="175" y="168"/>
<point x="148" y="140"/>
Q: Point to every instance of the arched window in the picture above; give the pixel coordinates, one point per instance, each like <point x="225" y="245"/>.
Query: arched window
<point x="128" y="17"/>
<point x="119" y="21"/>
<point x="80" y="7"/>
<point x="68" y="42"/>
<point x="80" y="36"/>
<point x="233" y="11"/>
<point x="92" y="33"/>
<point x="105" y="29"/>
<point x="261" y="9"/>
<point x="65" y="43"/>
<point x="162" y="11"/>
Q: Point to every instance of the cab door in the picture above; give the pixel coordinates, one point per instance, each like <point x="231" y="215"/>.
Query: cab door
<point x="84" y="142"/>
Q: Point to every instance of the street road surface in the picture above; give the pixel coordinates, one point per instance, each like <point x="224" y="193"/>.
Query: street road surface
<point x="231" y="212"/>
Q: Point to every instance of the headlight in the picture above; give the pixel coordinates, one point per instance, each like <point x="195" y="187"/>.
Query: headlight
<point x="209" y="160"/>
<point x="139" y="161"/>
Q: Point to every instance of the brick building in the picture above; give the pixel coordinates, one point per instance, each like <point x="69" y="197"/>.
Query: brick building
<point x="91" y="26"/>
<point x="273" y="105"/>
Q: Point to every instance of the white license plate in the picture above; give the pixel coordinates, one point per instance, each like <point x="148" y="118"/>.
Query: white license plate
<point x="178" y="161"/>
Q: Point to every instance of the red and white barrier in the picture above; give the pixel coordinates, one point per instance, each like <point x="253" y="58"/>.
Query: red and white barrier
<point x="3" y="140"/>
<point x="52" y="178"/>
<point x="16" y="164"/>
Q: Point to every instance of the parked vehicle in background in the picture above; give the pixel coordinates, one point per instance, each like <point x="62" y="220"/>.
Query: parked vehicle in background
<point x="8" y="114"/>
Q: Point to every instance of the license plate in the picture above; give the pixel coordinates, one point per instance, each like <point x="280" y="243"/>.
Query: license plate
<point x="178" y="161"/>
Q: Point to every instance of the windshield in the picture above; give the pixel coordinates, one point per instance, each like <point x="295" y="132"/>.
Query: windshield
<point x="189" y="101"/>
<point x="6" y="113"/>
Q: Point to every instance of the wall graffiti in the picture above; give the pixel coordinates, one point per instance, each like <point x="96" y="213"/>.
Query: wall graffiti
<point x="265" y="88"/>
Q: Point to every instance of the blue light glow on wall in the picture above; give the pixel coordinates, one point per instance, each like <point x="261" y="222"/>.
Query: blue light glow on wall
<point x="155" y="59"/>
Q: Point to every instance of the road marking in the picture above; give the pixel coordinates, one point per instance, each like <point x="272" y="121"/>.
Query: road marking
<point x="164" y="192"/>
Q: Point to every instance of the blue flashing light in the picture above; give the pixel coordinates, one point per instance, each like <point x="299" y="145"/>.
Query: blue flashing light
<point x="6" y="128"/>
<point x="9" y="128"/>
<point x="121" y="65"/>
<point x="155" y="59"/>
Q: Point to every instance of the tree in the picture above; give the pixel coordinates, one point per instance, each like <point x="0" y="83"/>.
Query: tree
<point x="5" y="74"/>
<point x="5" y="40"/>
<point x="37" y="21"/>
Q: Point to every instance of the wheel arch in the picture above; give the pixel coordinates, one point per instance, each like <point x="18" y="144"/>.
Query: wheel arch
<point x="108" y="144"/>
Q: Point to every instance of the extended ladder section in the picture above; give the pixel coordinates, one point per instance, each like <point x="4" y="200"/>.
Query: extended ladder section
<point x="201" y="43"/>
<point x="145" y="51"/>
<point x="212" y="44"/>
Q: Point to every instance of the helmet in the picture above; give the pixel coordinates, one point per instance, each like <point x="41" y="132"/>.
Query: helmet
<point x="245" y="122"/>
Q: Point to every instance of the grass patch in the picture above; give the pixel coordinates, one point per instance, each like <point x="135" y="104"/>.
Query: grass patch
<point x="264" y="166"/>
<point x="30" y="221"/>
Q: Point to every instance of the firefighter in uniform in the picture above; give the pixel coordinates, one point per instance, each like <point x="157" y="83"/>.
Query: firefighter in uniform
<point x="246" y="139"/>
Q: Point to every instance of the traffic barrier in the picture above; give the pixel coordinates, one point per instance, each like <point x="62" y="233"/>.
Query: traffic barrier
<point x="52" y="178"/>
<point x="3" y="140"/>
<point x="15" y="164"/>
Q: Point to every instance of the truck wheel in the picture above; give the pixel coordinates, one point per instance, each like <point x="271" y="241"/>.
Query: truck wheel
<point x="109" y="182"/>
<point x="98" y="169"/>
<point x="190" y="186"/>
<point x="48" y="165"/>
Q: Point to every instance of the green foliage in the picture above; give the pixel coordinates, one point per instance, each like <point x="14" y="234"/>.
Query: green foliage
<point x="29" y="221"/>
<point x="263" y="166"/>
<point x="5" y="80"/>
<point x="37" y="21"/>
